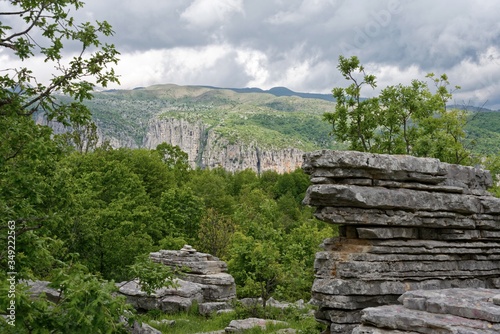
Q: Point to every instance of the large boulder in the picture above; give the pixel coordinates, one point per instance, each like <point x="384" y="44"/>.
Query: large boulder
<point x="239" y="326"/>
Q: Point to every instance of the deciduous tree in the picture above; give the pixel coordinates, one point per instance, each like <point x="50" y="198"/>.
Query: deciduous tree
<point x="401" y="120"/>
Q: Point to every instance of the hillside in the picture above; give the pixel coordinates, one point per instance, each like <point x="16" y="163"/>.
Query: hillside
<point x="483" y="130"/>
<point x="238" y="128"/>
<point x="241" y="117"/>
<point x="216" y="127"/>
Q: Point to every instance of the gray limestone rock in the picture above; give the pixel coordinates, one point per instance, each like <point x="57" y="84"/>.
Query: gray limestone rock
<point x="496" y="300"/>
<point x="405" y="224"/>
<point x="467" y="303"/>
<point x="209" y="308"/>
<point x="166" y="299"/>
<point x="207" y="281"/>
<point x="175" y="304"/>
<point x="36" y="288"/>
<point x="391" y="199"/>
<point x="374" y="330"/>
<point x="387" y="233"/>
<point x="399" y="318"/>
<point x="239" y="326"/>
<point x="334" y="286"/>
<point x="206" y="148"/>
<point x="143" y="328"/>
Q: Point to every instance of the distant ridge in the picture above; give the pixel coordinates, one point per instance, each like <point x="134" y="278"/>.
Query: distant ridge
<point x="278" y="91"/>
<point x="470" y="108"/>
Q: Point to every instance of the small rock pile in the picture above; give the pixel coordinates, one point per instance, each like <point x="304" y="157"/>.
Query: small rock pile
<point x="405" y="224"/>
<point x="438" y="311"/>
<point x="206" y="282"/>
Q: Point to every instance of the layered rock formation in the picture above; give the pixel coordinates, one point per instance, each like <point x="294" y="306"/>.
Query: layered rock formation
<point x="405" y="224"/>
<point x="206" y="281"/>
<point x="438" y="312"/>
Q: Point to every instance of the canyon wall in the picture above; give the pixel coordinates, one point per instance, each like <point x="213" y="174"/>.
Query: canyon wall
<point x="116" y="140"/>
<point x="208" y="149"/>
<point x="405" y="224"/>
<point x="205" y="147"/>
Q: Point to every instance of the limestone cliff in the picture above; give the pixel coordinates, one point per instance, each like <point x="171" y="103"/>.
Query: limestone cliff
<point x="207" y="148"/>
<point x="115" y="141"/>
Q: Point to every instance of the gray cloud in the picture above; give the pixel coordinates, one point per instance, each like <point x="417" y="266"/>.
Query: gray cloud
<point x="296" y="43"/>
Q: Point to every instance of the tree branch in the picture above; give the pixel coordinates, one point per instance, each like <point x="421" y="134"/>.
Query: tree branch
<point x="42" y="8"/>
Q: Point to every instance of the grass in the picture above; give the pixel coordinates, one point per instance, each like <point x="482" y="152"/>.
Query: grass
<point x="192" y="322"/>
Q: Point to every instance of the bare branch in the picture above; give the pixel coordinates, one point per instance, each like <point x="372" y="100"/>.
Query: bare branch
<point x="42" y="8"/>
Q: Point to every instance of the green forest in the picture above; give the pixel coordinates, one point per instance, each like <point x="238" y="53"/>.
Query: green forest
<point x="95" y="215"/>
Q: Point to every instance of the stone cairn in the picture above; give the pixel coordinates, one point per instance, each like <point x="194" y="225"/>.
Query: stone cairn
<point x="405" y="224"/>
<point x="205" y="281"/>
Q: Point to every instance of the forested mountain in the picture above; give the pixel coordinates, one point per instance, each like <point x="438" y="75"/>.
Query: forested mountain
<point x="216" y="127"/>
<point x="238" y="128"/>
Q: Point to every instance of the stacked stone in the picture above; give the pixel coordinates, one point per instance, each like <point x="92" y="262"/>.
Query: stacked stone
<point x="201" y="268"/>
<point x="204" y="280"/>
<point x="405" y="223"/>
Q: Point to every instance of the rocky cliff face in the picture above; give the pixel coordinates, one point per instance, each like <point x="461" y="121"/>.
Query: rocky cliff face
<point x="190" y="137"/>
<point x="204" y="146"/>
<point x="119" y="140"/>
<point x="208" y="149"/>
<point x="406" y="224"/>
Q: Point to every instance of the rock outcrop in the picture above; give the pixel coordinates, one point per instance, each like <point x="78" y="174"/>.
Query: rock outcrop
<point x="437" y="312"/>
<point x="115" y="141"/>
<point x="204" y="146"/>
<point x="206" y="282"/>
<point x="405" y="224"/>
<point x="208" y="149"/>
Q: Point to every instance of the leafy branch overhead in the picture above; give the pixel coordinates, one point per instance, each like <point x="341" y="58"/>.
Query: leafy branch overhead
<point x="401" y="120"/>
<point x="45" y="29"/>
<point x="35" y="190"/>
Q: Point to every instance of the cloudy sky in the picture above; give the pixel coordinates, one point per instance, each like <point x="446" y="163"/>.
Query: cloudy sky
<point x="296" y="43"/>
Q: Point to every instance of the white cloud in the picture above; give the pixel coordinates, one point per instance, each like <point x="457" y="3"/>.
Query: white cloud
<point x="208" y="13"/>
<point x="479" y="79"/>
<point x="255" y="65"/>
<point x="181" y="66"/>
<point x="296" y="43"/>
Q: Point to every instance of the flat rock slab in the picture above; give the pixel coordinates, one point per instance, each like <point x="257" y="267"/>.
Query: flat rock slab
<point x="395" y="199"/>
<point x="468" y="303"/>
<point x="374" y="330"/>
<point x="239" y="326"/>
<point x="335" y="286"/>
<point x="381" y="162"/>
<point x="400" y="318"/>
<point x="396" y="167"/>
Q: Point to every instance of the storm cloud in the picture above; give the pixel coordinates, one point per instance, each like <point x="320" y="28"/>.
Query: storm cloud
<point x="296" y="43"/>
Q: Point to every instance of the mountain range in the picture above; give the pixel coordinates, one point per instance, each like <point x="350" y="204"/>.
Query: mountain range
<point x="237" y="128"/>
